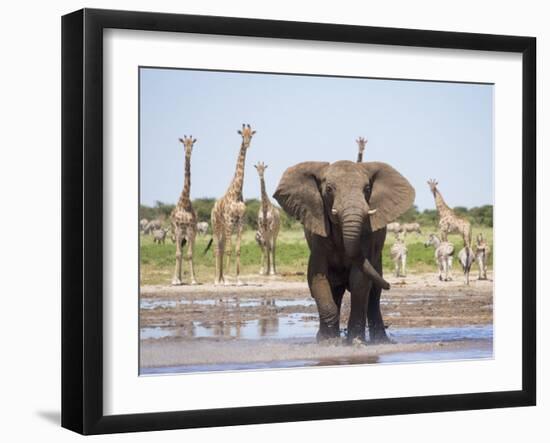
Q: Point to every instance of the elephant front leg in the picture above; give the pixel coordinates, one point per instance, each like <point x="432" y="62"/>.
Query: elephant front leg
<point x="377" y="329"/>
<point x="359" y="288"/>
<point x="329" y="314"/>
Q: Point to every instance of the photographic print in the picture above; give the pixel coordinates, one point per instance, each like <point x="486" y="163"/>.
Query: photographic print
<point x="291" y="221"/>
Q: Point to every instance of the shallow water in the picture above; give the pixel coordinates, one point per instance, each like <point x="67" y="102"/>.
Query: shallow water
<point x="476" y="342"/>
<point x="225" y="332"/>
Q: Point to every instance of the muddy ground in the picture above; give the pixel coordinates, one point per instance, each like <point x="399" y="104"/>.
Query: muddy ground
<point x="271" y="322"/>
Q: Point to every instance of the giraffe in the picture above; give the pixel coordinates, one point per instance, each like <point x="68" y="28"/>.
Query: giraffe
<point x="183" y="219"/>
<point x="361" y="143"/>
<point x="268" y="226"/>
<point x="228" y="213"/>
<point x="449" y="222"/>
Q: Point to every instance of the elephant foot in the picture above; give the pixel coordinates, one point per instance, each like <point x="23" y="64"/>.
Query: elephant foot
<point x="240" y="283"/>
<point x="328" y="335"/>
<point x="176" y="282"/>
<point x="262" y="272"/>
<point x="272" y="273"/>
<point x="194" y="282"/>
<point x="356" y="336"/>
<point x="358" y="342"/>
<point x="334" y="341"/>
<point x="378" y="335"/>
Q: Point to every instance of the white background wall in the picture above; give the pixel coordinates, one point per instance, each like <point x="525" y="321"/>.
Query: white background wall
<point x="30" y="217"/>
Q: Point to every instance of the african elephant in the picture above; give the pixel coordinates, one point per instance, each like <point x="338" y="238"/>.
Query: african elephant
<point x="345" y="207"/>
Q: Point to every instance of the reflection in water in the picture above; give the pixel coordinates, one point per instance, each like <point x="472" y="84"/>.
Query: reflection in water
<point x="300" y="326"/>
<point x="229" y="302"/>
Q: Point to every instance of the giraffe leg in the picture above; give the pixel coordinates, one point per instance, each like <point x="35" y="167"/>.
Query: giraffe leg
<point x="273" y="268"/>
<point x="176" y="280"/>
<point x="263" y="269"/>
<point x="219" y="242"/>
<point x="272" y="257"/>
<point x="191" y="238"/>
<point x="238" y="251"/>
<point x="268" y="255"/>
<point x="228" y="252"/>
<point x="228" y="247"/>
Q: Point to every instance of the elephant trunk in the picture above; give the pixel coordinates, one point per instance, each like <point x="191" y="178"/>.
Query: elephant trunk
<point x="373" y="273"/>
<point x="352" y="225"/>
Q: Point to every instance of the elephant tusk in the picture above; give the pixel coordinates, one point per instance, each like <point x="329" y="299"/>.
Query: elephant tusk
<point x="334" y="211"/>
<point x="372" y="211"/>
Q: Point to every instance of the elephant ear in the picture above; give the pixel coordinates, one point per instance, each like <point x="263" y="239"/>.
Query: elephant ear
<point x="299" y="195"/>
<point x="391" y="193"/>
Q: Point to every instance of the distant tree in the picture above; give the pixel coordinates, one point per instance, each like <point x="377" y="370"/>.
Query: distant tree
<point x="461" y="211"/>
<point x="203" y="208"/>
<point x="163" y="210"/>
<point x="411" y="215"/>
<point x="428" y="217"/>
<point x="146" y="212"/>
<point x="482" y="215"/>
<point x="252" y="207"/>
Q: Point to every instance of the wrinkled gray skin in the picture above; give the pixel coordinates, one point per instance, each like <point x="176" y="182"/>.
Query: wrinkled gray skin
<point x="345" y="207"/>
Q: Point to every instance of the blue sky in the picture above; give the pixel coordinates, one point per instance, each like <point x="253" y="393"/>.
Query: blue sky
<point x="424" y="129"/>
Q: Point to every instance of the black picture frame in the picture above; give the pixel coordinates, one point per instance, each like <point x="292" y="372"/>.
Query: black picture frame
<point x="82" y="216"/>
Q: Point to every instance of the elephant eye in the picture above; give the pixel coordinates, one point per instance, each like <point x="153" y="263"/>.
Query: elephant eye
<point x="367" y="191"/>
<point x="330" y="189"/>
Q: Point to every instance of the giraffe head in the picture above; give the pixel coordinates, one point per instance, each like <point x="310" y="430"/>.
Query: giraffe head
<point x="188" y="143"/>
<point x="432" y="183"/>
<point x="260" y="167"/>
<point x="361" y="142"/>
<point x="246" y="133"/>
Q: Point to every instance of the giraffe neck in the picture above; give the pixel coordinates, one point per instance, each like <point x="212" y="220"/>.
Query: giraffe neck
<point x="440" y="204"/>
<point x="236" y="187"/>
<point x="184" y="197"/>
<point x="265" y="199"/>
<point x="360" y="157"/>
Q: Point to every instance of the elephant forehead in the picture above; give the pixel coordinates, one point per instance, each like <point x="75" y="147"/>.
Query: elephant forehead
<point x="345" y="171"/>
